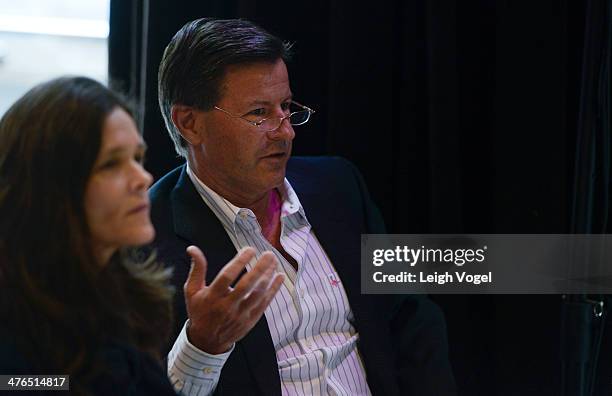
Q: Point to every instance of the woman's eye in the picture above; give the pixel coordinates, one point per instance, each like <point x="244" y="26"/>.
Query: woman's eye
<point x="285" y="106"/>
<point x="109" y="164"/>
<point x="139" y="158"/>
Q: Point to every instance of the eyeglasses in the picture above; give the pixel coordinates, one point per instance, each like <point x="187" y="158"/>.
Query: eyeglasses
<point x="298" y="117"/>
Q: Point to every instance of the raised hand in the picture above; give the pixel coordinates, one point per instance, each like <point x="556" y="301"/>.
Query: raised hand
<point x="220" y="315"/>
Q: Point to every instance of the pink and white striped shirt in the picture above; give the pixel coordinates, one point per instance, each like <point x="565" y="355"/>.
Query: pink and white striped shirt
<point x="309" y="318"/>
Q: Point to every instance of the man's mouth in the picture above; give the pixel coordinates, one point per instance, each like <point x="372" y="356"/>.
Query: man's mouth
<point x="276" y="155"/>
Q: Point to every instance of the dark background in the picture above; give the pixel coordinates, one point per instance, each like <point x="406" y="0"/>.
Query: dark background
<point x="463" y="116"/>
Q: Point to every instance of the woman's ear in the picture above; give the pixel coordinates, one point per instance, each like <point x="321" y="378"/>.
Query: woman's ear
<point x="185" y="118"/>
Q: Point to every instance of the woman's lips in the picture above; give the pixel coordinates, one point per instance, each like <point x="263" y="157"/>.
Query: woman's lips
<point x="139" y="208"/>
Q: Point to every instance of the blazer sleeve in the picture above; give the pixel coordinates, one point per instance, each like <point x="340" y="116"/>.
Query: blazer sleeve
<point x="417" y="326"/>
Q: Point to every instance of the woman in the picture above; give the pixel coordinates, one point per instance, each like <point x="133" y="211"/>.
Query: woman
<point x="73" y="200"/>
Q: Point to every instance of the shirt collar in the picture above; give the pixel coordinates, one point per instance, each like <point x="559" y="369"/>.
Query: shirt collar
<point x="227" y="212"/>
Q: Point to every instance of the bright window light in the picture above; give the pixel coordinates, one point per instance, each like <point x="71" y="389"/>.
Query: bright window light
<point x="54" y="25"/>
<point x="45" y="39"/>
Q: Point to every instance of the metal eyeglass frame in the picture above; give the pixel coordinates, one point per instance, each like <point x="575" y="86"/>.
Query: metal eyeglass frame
<point x="281" y="119"/>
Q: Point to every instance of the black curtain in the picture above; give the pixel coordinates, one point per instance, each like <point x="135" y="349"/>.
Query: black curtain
<point x="588" y="363"/>
<point x="461" y="115"/>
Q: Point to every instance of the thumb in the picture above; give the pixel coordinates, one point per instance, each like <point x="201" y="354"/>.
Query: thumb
<point x="196" y="280"/>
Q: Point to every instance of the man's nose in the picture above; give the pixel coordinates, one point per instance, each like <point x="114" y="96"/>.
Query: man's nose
<point x="283" y="132"/>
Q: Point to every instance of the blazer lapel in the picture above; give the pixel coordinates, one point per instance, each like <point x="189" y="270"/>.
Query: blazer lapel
<point x="196" y="223"/>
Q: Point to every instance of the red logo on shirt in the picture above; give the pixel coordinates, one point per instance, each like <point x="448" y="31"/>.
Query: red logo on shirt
<point x="333" y="280"/>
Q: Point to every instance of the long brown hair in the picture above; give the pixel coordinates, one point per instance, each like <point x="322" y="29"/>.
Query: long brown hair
<point x="55" y="297"/>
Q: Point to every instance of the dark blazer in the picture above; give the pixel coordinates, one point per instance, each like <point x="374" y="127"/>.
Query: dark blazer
<point x="339" y="209"/>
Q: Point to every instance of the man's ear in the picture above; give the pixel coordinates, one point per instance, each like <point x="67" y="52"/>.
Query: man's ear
<point x="188" y="121"/>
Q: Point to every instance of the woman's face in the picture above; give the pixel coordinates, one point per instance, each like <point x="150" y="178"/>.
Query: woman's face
<point x="116" y="200"/>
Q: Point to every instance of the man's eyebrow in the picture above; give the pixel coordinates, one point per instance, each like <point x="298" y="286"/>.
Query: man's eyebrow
<point x="266" y="102"/>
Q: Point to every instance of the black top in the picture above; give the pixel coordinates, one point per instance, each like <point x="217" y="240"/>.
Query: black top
<point x="129" y="371"/>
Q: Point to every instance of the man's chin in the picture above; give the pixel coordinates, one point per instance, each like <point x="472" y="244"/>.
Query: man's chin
<point x="275" y="179"/>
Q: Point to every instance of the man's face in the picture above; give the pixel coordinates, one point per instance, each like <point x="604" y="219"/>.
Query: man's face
<point x="235" y="156"/>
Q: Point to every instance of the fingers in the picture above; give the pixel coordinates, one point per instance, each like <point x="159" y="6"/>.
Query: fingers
<point x="261" y="302"/>
<point x="219" y="315"/>
<point x="258" y="277"/>
<point x="196" y="279"/>
<point x="232" y="270"/>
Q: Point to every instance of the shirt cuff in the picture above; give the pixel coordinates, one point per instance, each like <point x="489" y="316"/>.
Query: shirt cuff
<point x="191" y="370"/>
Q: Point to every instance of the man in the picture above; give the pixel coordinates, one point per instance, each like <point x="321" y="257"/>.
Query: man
<point x="225" y="96"/>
